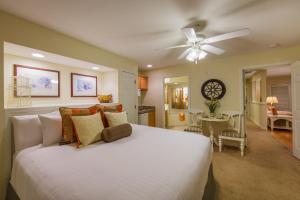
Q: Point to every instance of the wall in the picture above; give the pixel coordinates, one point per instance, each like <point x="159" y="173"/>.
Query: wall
<point x="279" y="80"/>
<point x="109" y="85"/>
<point x="226" y="68"/>
<point x="22" y="32"/>
<point x="65" y="81"/>
<point x="258" y="108"/>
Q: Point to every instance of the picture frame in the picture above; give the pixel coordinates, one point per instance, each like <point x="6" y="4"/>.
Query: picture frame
<point x="83" y="85"/>
<point x="44" y="83"/>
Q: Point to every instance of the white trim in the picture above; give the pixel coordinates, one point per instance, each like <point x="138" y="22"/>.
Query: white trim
<point x="296" y="132"/>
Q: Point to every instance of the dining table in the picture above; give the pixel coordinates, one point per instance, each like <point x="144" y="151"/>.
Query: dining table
<point x="215" y="125"/>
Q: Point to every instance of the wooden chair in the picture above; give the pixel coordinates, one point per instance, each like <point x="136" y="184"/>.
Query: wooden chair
<point x="195" y="125"/>
<point x="234" y="131"/>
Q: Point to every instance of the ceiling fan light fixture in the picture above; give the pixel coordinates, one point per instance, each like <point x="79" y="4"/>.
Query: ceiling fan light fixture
<point x="192" y="56"/>
<point x="195" y="55"/>
<point x="202" y="55"/>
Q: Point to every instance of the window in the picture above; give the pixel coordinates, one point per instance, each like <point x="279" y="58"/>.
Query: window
<point x="282" y="92"/>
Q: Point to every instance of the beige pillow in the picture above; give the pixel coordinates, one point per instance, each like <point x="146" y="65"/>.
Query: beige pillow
<point x="115" y="119"/>
<point x="87" y="128"/>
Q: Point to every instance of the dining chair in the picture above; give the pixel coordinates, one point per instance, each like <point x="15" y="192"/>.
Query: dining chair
<point x="234" y="130"/>
<point x="194" y="124"/>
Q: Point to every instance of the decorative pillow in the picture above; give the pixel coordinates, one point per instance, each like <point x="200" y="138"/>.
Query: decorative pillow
<point x="105" y="98"/>
<point x="115" y="119"/>
<point x="114" y="108"/>
<point x="51" y="128"/>
<point x="88" y="129"/>
<point x="67" y="124"/>
<point x="111" y="134"/>
<point x="274" y="111"/>
<point x="27" y="131"/>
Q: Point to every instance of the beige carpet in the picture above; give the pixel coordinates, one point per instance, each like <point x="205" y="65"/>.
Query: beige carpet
<point x="268" y="171"/>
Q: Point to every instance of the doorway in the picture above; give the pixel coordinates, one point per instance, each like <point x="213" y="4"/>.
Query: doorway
<point x="176" y="102"/>
<point x="268" y="102"/>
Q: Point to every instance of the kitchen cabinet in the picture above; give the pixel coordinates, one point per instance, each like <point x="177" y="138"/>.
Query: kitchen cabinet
<point x="143" y="82"/>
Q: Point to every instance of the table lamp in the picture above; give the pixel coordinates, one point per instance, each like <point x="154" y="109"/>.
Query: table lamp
<point x="271" y="101"/>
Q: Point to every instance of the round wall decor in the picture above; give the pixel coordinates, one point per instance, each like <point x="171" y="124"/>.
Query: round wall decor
<point x="213" y="89"/>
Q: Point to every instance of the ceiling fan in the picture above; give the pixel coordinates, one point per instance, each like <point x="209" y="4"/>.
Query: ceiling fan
<point x="199" y="46"/>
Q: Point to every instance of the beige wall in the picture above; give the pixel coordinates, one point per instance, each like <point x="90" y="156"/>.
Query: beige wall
<point x="19" y="31"/>
<point x="109" y="85"/>
<point x="228" y="69"/>
<point x="258" y="108"/>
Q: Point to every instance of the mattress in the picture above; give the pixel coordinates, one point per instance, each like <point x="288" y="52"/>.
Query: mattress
<point x="152" y="163"/>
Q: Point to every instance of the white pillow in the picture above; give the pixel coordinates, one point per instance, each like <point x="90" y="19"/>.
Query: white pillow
<point x="116" y="118"/>
<point x="51" y="128"/>
<point x="27" y="131"/>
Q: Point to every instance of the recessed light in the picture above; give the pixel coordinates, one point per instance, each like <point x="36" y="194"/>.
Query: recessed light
<point x="176" y="83"/>
<point x="38" y="55"/>
<point x="149" y="66"/>
<point x="95" y="68"/>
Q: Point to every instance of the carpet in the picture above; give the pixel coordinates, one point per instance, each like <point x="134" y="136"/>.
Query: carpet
<point x="267" y="171"/>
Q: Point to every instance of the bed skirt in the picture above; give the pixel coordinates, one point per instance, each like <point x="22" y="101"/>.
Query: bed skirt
<point x="209" y="192"/>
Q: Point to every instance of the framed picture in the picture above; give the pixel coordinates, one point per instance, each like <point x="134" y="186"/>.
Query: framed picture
<point x="83" y="85"/>
<point x="43" y="82"/>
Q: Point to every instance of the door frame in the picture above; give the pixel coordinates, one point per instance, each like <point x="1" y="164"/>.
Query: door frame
<point x="242" y="83"/>
<point x="296" y="149"/>
<point x="163" y="91"/>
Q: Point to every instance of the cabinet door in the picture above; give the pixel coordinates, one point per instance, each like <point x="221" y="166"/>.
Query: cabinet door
<point x="151" y="119"/>
<point x="143" y="83"/>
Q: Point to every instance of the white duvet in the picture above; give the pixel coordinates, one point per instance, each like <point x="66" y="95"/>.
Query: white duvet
<point x="152" y="163"/>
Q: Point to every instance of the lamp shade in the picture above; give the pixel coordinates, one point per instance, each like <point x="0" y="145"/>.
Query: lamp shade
<point x="271" y="100"/>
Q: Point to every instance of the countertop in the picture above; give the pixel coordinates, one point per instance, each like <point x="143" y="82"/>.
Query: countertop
<point x="146" y="109"/>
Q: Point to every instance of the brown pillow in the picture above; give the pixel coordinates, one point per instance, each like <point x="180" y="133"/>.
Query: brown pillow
<point x="274" y="111"/>
<point x="114" y="108"/>
<point x="68" y="133"/>
<point x="111" y="134"/>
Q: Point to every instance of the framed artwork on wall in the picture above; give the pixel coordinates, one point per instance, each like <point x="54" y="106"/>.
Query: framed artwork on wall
<point x="83" y="85"/>
<point x="43" y="82"/>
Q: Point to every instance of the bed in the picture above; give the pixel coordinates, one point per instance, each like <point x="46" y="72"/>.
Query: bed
<point x="152" y="163"/>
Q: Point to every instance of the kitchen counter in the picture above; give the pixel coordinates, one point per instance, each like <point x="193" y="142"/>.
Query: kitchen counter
<point x="147" y="115"/>
<point x="146" y="109"/>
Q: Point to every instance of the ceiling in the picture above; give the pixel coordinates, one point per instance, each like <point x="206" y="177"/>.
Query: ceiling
<point x="27" y="52"/>
<point x="137" y="29"/>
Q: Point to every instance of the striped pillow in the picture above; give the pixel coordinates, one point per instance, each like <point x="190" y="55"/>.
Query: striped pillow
<point x="66" y="113"/>
<point x="88" y="129"/>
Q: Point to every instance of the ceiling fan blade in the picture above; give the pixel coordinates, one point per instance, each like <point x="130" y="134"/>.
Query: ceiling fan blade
<point x="178" y="46"/>
<point x="185" y="53"/>
<point x="212" y="49"/>
<point x="190" y="34"/>
<point x="227" y="36"/>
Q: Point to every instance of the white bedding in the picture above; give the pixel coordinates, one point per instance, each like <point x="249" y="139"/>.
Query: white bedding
<point x="152" y="163"/>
